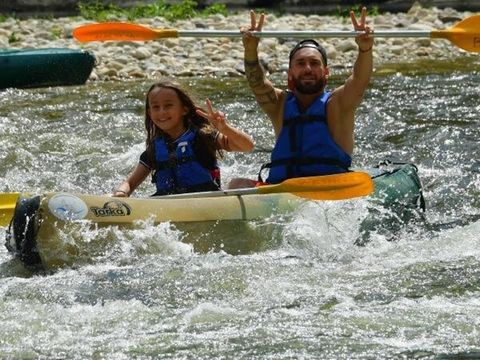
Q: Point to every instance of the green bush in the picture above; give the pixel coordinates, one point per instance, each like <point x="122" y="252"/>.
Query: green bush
<point x="95" y="10"/>
<point x="98" y="11"/>
<point x="215" y="9"/>
<point x="12" y="39"/>
<point x="145" y="11"/>
<point x="345" y="12"/>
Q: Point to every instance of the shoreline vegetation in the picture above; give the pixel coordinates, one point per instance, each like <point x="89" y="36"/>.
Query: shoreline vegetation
<point x="223" y="57"/>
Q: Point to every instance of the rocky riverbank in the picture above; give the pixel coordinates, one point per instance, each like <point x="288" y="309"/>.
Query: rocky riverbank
<point x="224" y="56"/>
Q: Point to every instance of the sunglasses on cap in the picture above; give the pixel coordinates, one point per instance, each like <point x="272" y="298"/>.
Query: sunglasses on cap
<point x="309" y="43"/>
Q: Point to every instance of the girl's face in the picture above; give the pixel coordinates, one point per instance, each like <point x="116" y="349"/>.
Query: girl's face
<point x="167" y="111"/>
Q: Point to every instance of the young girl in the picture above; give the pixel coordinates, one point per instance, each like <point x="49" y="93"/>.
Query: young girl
<point x="183" y="144"/>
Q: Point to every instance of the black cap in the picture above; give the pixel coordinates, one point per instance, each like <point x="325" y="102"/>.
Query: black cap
<point x="309" y="43"/>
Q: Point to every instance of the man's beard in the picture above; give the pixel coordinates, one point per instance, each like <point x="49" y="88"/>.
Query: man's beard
<point x="309" y="89"/>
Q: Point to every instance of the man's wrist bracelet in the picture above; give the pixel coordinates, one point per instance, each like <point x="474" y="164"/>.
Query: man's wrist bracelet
<point x="251" y="62"/>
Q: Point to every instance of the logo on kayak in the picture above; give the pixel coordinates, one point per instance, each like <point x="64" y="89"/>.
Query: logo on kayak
<point x="67" y="207"/>
<point x="112" y="208"/>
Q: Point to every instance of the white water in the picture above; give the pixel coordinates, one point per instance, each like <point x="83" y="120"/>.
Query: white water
<point x="304" y="291"/>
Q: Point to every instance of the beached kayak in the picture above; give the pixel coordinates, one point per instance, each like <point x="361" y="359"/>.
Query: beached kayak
<point x="34" y="233"/>
<point x="29" y="68"/>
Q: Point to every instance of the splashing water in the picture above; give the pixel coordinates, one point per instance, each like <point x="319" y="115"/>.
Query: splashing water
<point x="300" y="287"/>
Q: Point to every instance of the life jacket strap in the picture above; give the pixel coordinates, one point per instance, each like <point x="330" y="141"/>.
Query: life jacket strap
<point x="301" y="119"/>
<point x="290" y="163"/>
<point x="173" y="162"/>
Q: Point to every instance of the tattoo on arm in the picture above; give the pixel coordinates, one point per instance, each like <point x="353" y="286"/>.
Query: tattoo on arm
<point x="261" y="87"/>
<point x="254" y="73"/>
<point x="269" y="97"/>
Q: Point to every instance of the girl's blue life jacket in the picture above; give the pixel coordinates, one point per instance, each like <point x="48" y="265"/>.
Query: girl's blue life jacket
<point x="178" y="169"/>
<point x="304" y="146"/>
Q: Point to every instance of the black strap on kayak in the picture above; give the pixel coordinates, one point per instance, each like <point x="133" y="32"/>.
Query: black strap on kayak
<point x="21" y="236"/>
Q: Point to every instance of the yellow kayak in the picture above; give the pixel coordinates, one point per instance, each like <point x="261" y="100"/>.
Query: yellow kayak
<point x="33" y="235"/>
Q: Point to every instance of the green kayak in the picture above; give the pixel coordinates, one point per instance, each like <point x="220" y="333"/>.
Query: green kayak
<point x="29" y="68"/>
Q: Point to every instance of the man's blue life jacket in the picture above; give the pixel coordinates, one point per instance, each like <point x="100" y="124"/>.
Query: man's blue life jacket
<point x="305" y="146"/>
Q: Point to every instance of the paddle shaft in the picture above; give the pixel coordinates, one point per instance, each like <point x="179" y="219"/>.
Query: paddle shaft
<point x="300" y="34"/>
<point x="326" y="187"/>
<point x="220" y="193"/>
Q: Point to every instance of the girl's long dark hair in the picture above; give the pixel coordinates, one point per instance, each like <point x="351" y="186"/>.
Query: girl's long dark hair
<point x="191" y="120"/>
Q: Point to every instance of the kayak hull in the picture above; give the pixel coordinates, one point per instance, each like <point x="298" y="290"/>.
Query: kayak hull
<point x="30" y="68"/>
<point x="34" y="234"/>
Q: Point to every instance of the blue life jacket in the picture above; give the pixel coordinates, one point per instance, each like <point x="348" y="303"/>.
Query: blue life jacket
<point x="178" y="169"/>
<point x="305" y="146"/>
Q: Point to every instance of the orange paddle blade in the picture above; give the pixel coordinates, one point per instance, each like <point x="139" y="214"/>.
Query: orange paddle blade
<point x="327" y="187"/>
<point x="120" y="32"/>
<point x="465" y="34"/>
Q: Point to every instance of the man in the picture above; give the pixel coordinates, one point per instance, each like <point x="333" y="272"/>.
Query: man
<point x="313" y="128"/>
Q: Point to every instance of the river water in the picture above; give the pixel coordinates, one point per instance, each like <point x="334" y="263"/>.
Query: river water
<point x="304" y="291"/>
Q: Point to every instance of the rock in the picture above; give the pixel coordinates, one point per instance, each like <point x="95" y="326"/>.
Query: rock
<point x="332" y="52"/>
<point x="136" y="73"/>
<point x="115" y="65"/>
<point x="397" y="49"/>
<point x="228" y="63"/>
<point x="107" y="72"/>
<point x="347" y="45"/>
<point x="423" y="42"/>
<point x="141" y="53"/>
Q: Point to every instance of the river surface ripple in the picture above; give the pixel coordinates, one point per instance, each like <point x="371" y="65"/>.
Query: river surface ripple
<point x="306" y="292"/>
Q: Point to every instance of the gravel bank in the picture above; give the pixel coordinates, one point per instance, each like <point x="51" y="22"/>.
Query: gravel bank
<point x="224" y="56"/>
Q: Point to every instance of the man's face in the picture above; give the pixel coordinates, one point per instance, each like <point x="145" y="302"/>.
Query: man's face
<point x="307" y="72"/>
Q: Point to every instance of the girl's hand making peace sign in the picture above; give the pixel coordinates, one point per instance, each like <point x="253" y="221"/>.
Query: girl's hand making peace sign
<point x="216" y="118"/>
